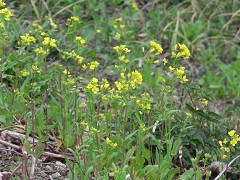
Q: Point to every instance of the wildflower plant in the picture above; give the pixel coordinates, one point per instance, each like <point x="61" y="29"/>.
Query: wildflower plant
<point x="230" y="145"/>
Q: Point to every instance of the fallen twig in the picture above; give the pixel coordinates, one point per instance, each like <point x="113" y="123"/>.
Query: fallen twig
<point x="62" y="156"/>
<point x="32" y="168"/>
<point x="225" y="168"/>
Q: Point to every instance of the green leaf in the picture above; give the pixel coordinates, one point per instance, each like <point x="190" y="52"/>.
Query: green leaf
<point x="146" y="154"/>
<point x="172" y="173"/>
<point x="89" y="171"/>
<point x="210" y="116"/>
<point x="129" y="154"/>
<point x="187" y="175"/>
<point x="27" y="146"/>
<point x="175" y="147"/>
<point x="164" y="168"/>
<point x="39" y="149"/>
<point x="2" y="119"/>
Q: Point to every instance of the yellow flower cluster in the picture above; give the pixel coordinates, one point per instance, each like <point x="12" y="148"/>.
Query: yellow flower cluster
<point x="123" y="59"/>
<point x="70" y="81"/>
<point x="37" y="27"/>
<point x="121" y="49"/>
<point x="134" y="5"/>
<point x="105" y="84"/>
<point x="1" y="25"/>
<point x="49" y="42"/>
<point x="181" y="50"/>
<point x="73" y="19"/>
<point x="144" y="103"/>
<point x="41" y="51"/>
<point x="66" y="72"/>
<point x="110" y="143"/>
<point x="204" y="101"/>
<point x="25" y="73"/>
<point x="155" y="48"/>
<point x="80" y="40"/>
<point x="135" y="78"/>
<point x="93" y="65"/>
<point x="98" y="31"/>
<point x="53" y="25"/>
<point x="142" y="127"/>
<point x="2" y="4"/>
<point x="180" y="74"/>
<point x="93" y="85"/>
<point x="118" y="23"/>
<point x="234" y="139"/>
<point x="27" y="39"/>
<point x="74" y="55"/>
<point x="5" y="12"/>
<point x="132" y="80"/>
<point x="36" y="69"/>
<point x="94" y="130"/>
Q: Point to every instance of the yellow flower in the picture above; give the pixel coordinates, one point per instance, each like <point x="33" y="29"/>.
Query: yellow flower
<point x="136" y="78"/>
<point x="165" y="61"/>
<point x="142" y="127"/>
<point x="171" y="69"/>
<point x="2" y="4"/>
<point x="83" y="124"/>
<point x="7" y="13"/>
<point x="224" y="156"/>
<point x="180" y="72"/>
<point x="134" y="5"/>
<point x="220" y="143"/>
<point x="27" y="39"/>
<point x="1" y="25"/>
<point x="93" y="65"/>
<point x="53" y="25"/>
<point x="80" y="40"/>
<point x="82" y="105"/>
<point x="79" y="59"/>
<point x="155" y="48"/>
<point x="74" y="19"/>
<point x="231" y="133"/>
<point x="70" y="82"/>
<point x="123" y="59"/>
<point x="110" y="143"/>
<point x="37" y="27"/>
<point x="122" y="26"/>
<point x="84" y="66"/>
<point x="156" y="62"/>
<point x="41" y="51"/>
<point x="94" y="130"/>
<point x="181" y="50"/>
<point x="233" y="142"/>
<point x="226" y="149"/>
<point x="36" y="69"/>
<point x="93" y="85"/>
<point x="117" y="35"/>
<point x="49" y="42"/>
<point x="25" y="73"/>
<point x="204" y="101"/>
<point x="98" y="31"/>
<point x="121" y="49"/>
<point x="105" y="84"/>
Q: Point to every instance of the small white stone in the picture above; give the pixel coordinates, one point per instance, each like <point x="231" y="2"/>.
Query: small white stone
<point x="56" y="175"/>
